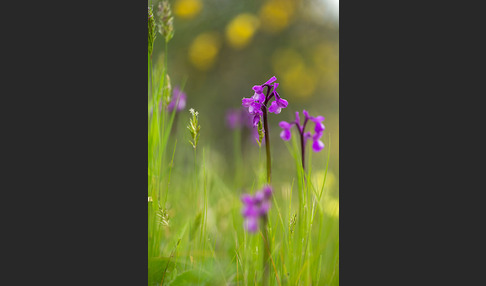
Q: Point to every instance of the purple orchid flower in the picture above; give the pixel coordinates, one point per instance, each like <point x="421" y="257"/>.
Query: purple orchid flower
<point x="257" y="107"/>
<point x="259" y="100"/>
<point x="240" y="118"/>
<point x="233" y="119"/>
<point x="317" y="144"/>
<point x="319" y="128"/>
<point x="279" y="103"/>
<point x="178" y="101"/>
<point x="256" y="207"/>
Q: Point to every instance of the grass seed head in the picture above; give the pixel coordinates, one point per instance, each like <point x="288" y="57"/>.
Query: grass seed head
<point x="261" y="134"/>
<point x="151" y="30"/>
<point x="167" y="90"/>
<point x="163" y="217"/>
<point x="194" y="128"/>
<point x="292" y="222"/>
<point x="165" y="24"/>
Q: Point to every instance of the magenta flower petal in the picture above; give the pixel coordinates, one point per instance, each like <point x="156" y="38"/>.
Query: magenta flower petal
<point x="282" y="103"/>
<point x="318" y="118"/>
<point x="267" y="192"/>
<point x="285" y="134"/>
<point x="246" y="102"/>
<point x="250" y="211"/>
<point x="232" y="119"/>
<point x="271" y="80"/>
<point x="307" y="135"/>
<point x="259" y="196"/>
<point x="255" y="107"/>
<point x="317" y="145"/>
<point x="256" y="207"/>
<point x="261" y="98"/>
<point x="178" y="100"/>
<point x="247" y="199"/>
<point x="264" y="207"/>
<point x="297" y="118"/>
<point x="319" y="127"/>
<point x="284" y="125"/>
<point x="274" y="108"/>
<point x="251" y="224"/>
<point x="258" y="88"/>
<point x="255" y="120"/>
<point x="182" y="102"/>
<point x="170" y="107"/>
<point x="306" y="114"/>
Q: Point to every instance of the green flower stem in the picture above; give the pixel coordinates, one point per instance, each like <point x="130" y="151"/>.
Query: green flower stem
<point x="267" y="146"/>
<point x="266" y="252"/>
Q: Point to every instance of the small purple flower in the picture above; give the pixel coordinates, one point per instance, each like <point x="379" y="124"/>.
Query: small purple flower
<point x="256" y="207"/>
<point x="259" y="100"/>
<point x="279" y="103"/>
<point x="307" y="135"/>
<point x="240" y="118"/>
<point x="285" y="134"/>
<point x="259" y="197"/>
<point x="251" y="224"/>
<point x="317" y="144"/>
<point x="233" y="118"/>
<point x="178" y="98"/>
<point x="267" y="192"/>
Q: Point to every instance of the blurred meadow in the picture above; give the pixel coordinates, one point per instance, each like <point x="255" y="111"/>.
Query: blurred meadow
<point x="218" y="52"/>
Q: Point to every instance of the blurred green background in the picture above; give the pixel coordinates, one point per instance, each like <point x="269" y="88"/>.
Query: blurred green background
<point x="222" y="48"/>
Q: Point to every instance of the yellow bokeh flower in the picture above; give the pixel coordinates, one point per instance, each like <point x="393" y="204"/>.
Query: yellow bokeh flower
<point x="276" y="15"/>
<point x="187" y="9"/>
<point x="301" y="81"/>
<point x="297" y="78"/>
<point x="204" y="50"/>
<point x="241" y="29"/>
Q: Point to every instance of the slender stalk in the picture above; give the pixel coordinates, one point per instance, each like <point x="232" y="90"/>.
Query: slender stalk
<point x="302" y="145"/>
<point x="266" y="252"/>
<point x="267" y="146"/>
<point x="302" y="142"/>
<point x="195" y="193"/>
